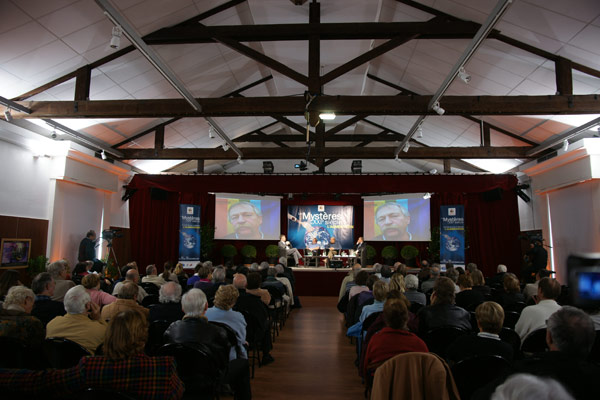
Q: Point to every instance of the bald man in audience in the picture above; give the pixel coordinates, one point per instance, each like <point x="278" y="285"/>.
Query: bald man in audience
<point x="152" y="276"/>
<point x="126" y="301"/>
<point x="131" y="276"/>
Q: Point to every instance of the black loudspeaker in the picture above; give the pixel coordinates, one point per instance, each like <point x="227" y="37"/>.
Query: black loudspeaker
<point x="336" y="264"/>
<point x="492" y="195"/>
<point x="158" y="194"/>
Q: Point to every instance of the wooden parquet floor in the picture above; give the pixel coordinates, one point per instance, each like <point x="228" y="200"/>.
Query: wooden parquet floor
<point x="313" y="357"/>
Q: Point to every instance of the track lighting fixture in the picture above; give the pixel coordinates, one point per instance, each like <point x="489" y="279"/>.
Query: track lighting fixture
<point x="211" y="132"/>
<point x="565" y="145"/>
<point x="225" y="146"/>
<point x="436" y="107"/>
<point x="433" y="171"/>
<point x="115" y="40"/>
<point x="462" y="74"/>
<point x="327" y="116"/>
<point x="397" y="159"/>
<point x="427" y="196"/>
<point x="239" y="160"/>
<point x="7" y="115"/>
<point x="419" y="132"/>
<point x="406" y="147"/>
<point x="103" y="154"/>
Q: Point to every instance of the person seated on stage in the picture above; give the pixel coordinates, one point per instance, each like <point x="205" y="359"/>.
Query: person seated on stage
<point x="91" y="283"/>
<point x="286" y="249"/>
<point x="16" y="320"/>
<point x="126" y="301"/>
<point x="443" y="312"/>
<point x="479" y="283"/>
<point x="313" y="251"/>
<point x="132" y="276"/>
<point x="169" y="304"/>
<point x="253" y="287"/>
<point x="152" y="276"/>
<point x="412" y="293"/>
<point x="124" y="368"/>
<point x="222" y="312"/>
<point x="82" y="323"/>
<point x="286" y="282"/>
<point x="534" y="317"/>
<point x="60" y="272"/>
<point x="394" y="339"/>
<point x="44" y="308"/>
<point x="348" y="280"/>
<point x="333" y="250"/>
<point x="360" y="284"/>
<point x="194" y="328"/>
<point x="467" y="298"/>
<point x="490" y="317"/>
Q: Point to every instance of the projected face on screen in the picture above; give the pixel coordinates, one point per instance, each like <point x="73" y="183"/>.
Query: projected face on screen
<point x="246" y="220"/>
<point x="393" y="220"/>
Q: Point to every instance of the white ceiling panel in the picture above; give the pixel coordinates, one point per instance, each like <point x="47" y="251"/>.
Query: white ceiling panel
<point x="582" y="10"/>
<point x="38" y="8"/>
<point x="79" y="14"/>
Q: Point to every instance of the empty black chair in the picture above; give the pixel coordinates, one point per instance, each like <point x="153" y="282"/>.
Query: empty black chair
<point x="254" y="337"/>
<point x="474" y="326"/>
<point x="415" y="307"/>
<point x="595" y="353"/>
<point x="156" y="331"/>
<point x="438" y="339"/>
<point x="14" y="353"/>
<point x="197" y="367"/>
<point x="517" y="307"/>
<point x="535" y="342"/>
<point x="473" y="373"/>
<point x="510" y="319"/>
<point x="102" y="394"/>
<point x="150" y="288"/>
<point x="149" y="300"/>
<point x="231" y="336"/>
<point x="63" y="353"/>
<point x="511" y="337"/>
<point x="369" y="320"/>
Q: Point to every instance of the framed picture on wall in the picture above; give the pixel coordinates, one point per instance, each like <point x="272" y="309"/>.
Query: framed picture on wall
<point x="15" y="252"/>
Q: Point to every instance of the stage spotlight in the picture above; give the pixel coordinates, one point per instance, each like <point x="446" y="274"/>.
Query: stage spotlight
<point x="356" y="166"/>
<point x="436" y="107"/>
<point x="268" y="167"/>
<point x="433" y="171"/>
<point x="427" y="196"/>
<point x="302" y="166"/>
<point x="225" y="146"/>
<point x="406" y="147"/>
<point x="211" y="132"/>
<point x="239" y="160"/>
<point x="419" y="132"/>
<point x="103" y="154"/>
<point x="466" y="78"/>
<point x="565" y="145"/>
<point x="7" y="115"/>
<point x="115" y="40"/>
<point x="397" y="159"/>
<point x="327" y="116"/>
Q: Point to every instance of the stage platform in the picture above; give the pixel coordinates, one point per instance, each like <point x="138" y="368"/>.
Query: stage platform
<point x="311" y="281"/>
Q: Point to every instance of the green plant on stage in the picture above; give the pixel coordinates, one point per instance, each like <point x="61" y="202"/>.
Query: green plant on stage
<point x="371" y="252"/>
<point x="207" y="235"/>
<point x="248" y="251"/>
<point x="36" y="265"/>
<point x="434" y="245"/>
<point x="389" y="253"/>
<point x="228" y="251"/>
<point x="272" y="251"/>
<point x="409" y="252"/>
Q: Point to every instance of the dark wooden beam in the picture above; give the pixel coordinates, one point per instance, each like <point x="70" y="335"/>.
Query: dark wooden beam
<point x="564" y="77"/>
<point x="248" y="86"/>
<point x="258" y="153"/>
<point x="447" y="166"/>
<point x="291" y="124"/>
<point x="82" y="83"/>
<point x="334" y="138"/>
<point x="295" y="105"/>
<point x="145" y="132"/>
<point x="392" y="85"/>
<point x="251" y="134"/>
<point x="198" y="33"/>
<point x="200" y="167"/>
<point x="159" y="138"/>
<point x="343" y="125"/>
<point x="314" y="51"/>
<point x="485" y="135"/>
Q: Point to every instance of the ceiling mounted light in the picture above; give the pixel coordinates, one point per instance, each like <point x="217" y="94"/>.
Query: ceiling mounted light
<point x="462" y="74"/>
<point x="115" y="40"/>
<point x="436" y="107"/>
<point x="103" y="155"/>
<point x="406" y="147"/>
<point x="419" y="132"/>
<point x="225" y="146"/>
<point x="433" y="171"/>
<point x="239" y="160"/>
<point x="427" y="196"/>
<point x="7" y="115"/>
<point x="356" y="166"/>
<point x="397" y="159"/>
<point x="327" y="116"/>
<point x="211" y="132"/>
<point x="302" y="166"/>
<point x="268" y="167"/>
<point x="565" y="145"/>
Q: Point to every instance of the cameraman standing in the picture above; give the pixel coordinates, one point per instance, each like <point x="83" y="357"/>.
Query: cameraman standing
<point x="87" y="251"/>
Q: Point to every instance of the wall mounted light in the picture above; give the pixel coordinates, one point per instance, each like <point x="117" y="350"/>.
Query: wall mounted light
<point x="327" y="116"/>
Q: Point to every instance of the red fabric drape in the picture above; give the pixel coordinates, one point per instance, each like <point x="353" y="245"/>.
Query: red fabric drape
<point x="492" y="226"/>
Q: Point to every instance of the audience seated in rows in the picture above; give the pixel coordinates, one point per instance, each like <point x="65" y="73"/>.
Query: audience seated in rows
<point x="434" y="274"/>
<point x="204" y="281"/>
<point x="273" y="282"/>
<point x="133" y="276"/>
<point x="531" y="289"/>
<point x="200" y="268"/>
<point x="222" y="312"/>
<point x="490" y="317"/>
<point x="167" y="274"/>
<point x="169" y="304"/>
<point x="286" y="282"/>
<point x="60" y="272"/>
<point x="534" y="317"/>
<point x="344" y="287"/>
<point x="152" y="276"/>
<point x="498" y="279"/>
<point x="443" y="312"/>
<point x="380" y="292"/>
<point x="360" y="284"/>
<point x="16" y="320"/>
<point x="453" y="274"/>
<point x="526" y="386"/>
<point x="412" y="293"/>
<point x="194" y="329"/>
<point x="126" y="301"/>
<point x="44" y="308"/>
<point x="511" y="293"/>
<point x="75" y="325"/>
<point x="91" y="283"/>
<point x="124" y="368"/>
<point x="468" y="298"/>
<point x="394" y="338"/>
<point x="253" y="287"/>
<point x="479" y="283"/>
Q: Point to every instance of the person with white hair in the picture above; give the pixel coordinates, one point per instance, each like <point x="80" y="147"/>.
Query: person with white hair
<point x="169" y="306"/>
<point x="82" y="323"/>
<point x="16" y="320"/>
<point x="286" y="282"/>
<point x="194" y="328"/>
<point x="60" y="271"/>
<point x="411" y="283"/>
<point x="527" y="386"/>
<point x="498" y="279"/>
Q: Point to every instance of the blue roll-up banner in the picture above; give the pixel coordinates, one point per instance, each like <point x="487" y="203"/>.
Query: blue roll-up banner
<point x="189" y="235"/>
<point x="321" y="222"/>
<point x="452" y="234"/>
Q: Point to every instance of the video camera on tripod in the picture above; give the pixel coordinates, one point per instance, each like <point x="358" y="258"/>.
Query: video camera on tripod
<point x="110" y="234"/>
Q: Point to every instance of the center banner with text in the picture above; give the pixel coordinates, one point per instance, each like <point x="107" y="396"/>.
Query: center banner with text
<point x="331" y="226"/>
<point x="452" y="234"/>
<point x="189" y="235"/>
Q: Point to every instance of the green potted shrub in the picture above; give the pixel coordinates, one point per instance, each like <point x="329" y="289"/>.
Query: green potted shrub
<point x="371" y="254"/>
<point x="272" y="253"/>
<point x="434" y="245"/>
<point x="248" y="253"/>
<point x="207" y="235"/>
<point x="228" y="252"/>
<point x="36" y="265"/>
<point x="409" y="254"/>
<point x="389" y="254"/>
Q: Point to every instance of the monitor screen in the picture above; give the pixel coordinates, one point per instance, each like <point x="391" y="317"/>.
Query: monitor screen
<point x="397" y="218"/>
<point x="247" y="217"/>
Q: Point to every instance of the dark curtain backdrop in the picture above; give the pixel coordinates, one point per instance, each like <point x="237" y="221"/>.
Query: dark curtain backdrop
<point x="492" y="226"/>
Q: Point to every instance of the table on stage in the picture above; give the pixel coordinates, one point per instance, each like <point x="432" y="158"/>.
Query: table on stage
<point x="340" y="261"/>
